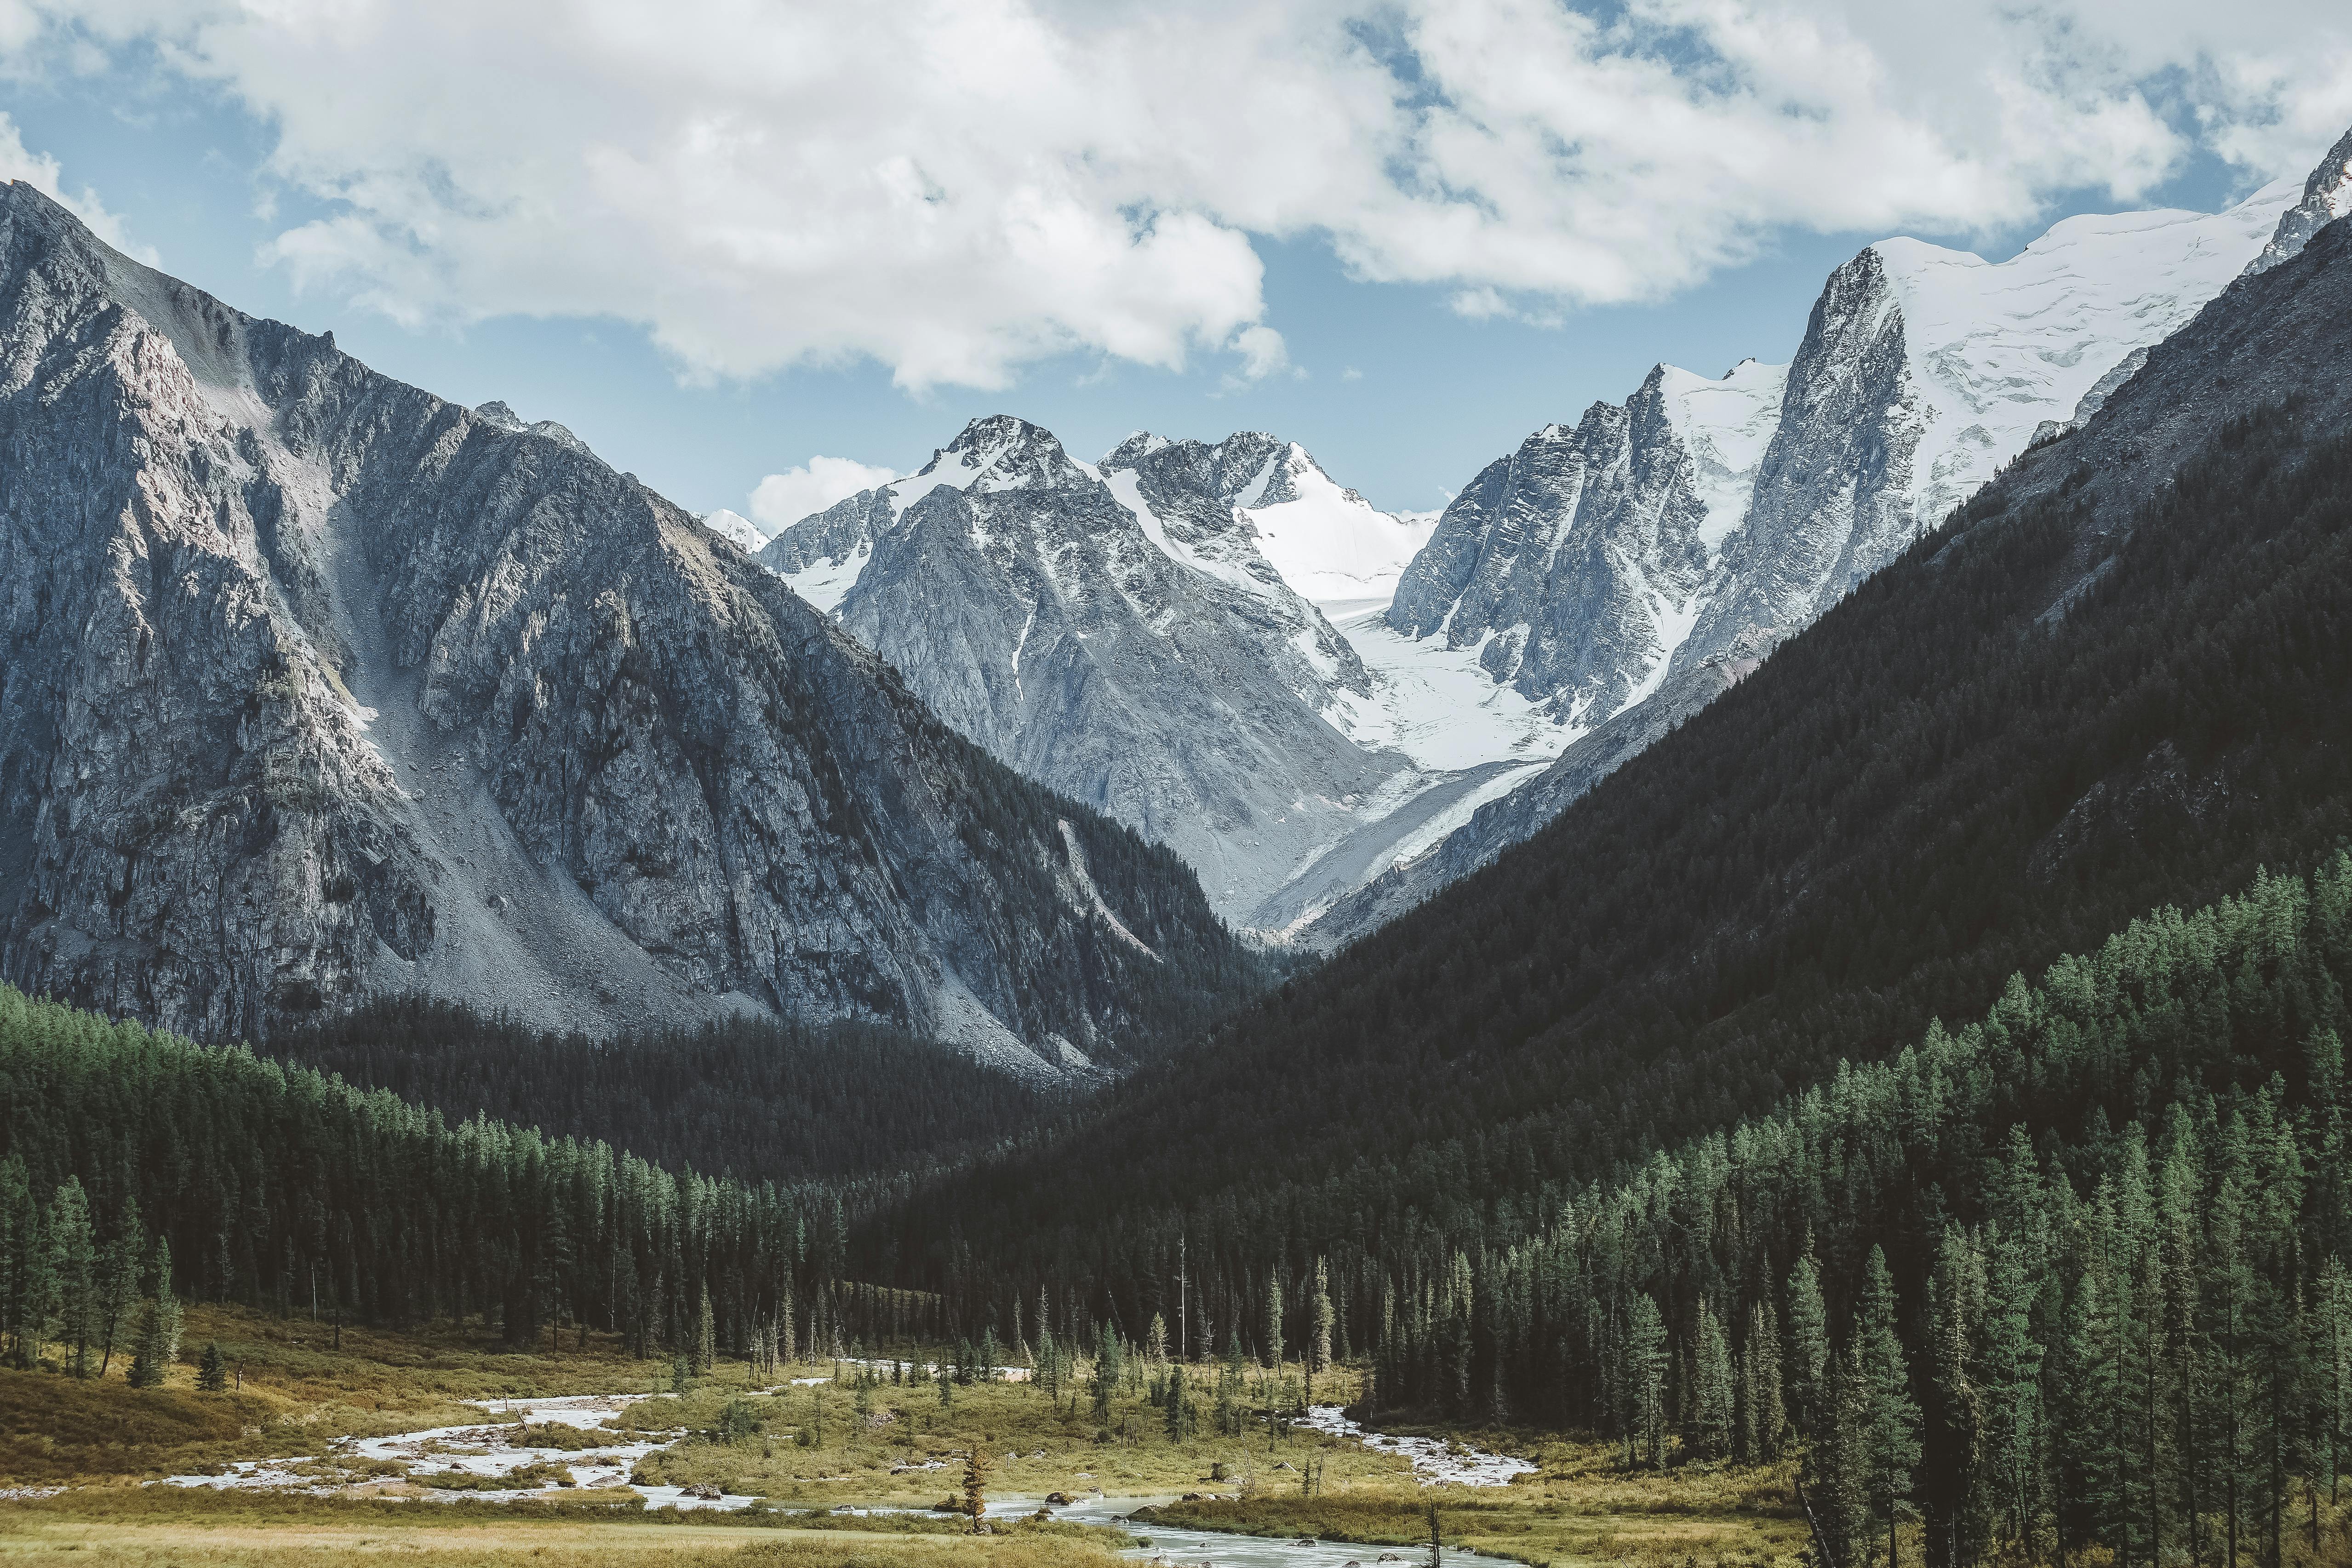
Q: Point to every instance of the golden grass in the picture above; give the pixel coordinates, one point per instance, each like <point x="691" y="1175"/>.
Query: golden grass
<point x="1581" y="1509"/>
<point x="301" y="1391"/>
<point x="296" y="1392"/>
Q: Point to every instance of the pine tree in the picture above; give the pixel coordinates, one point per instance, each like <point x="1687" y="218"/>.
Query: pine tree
<point x="1319" y="1346"/>
<point x="212" y="1372"/>
<point x="1891" y="1444"/>
<point x="118" y="1262"/>
<point x="975" y="1485"/>
<point x="1180" y="1414"/>
<point x="1762" y="1414"/>
<point x="2012" y="1387"/>
<point x="1836" y="1475"/>
<point x="1155" y="1340"/>
<point x="1644" y="1382"/>
<point x="1274" y="1323"/>
<point x="28" y="1285"/>
<point x="706" y="1338"/>
<point x="1709" y="1433"/>
<point x="73" y="1259"/>
<point x="1808" y="1344"/>
<point x="157" y="1343"/>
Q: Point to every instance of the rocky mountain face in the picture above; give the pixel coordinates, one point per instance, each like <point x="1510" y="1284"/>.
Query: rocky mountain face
<point x="2326" y="196"/>
<point x="1574" y="566"/>
<point x="317" y="688"/>
<point x="1114" y="631"/>
<point x="1645" y="559"/>
<point x="1923" y="369"/>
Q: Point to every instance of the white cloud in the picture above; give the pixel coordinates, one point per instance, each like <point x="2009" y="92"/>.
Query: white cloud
<point x="781" y="500"/>
<point x="1263" y="352"/>
<point x="41" y="172"/>
<point x="957" y="187"/>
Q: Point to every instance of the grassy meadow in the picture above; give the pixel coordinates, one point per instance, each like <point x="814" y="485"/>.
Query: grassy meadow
<point x="799" y="1445"/>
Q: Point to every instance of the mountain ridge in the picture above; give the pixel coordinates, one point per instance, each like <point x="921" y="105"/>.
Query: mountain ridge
<point x="323" y="687"/>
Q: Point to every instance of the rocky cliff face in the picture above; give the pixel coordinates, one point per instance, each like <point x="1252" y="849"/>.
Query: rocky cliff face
<point x="1574" y="566"/>
<point x="317" y="687"/>
<point x="2326" y="196"/>
<point x="1113" y="632"/>
<point x="1923" y="369"/>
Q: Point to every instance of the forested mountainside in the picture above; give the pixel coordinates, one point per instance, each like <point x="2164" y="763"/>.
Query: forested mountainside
<point x="755" y="1098"/>
<point x="321" y="688"/>
<point x="279" y="1187"/>
<point x="2100" y="687"/>
<point x="2074" y="1274"/>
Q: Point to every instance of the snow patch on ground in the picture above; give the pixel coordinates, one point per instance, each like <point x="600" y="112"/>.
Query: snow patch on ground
<point x="827" y="582"/>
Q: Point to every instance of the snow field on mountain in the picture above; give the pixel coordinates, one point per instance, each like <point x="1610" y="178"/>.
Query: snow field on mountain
<point x="1436" y="705"/>
<point x="1726" y="426"/>
<point x="1331" y="545"/>
<point x="1995" y="348"/>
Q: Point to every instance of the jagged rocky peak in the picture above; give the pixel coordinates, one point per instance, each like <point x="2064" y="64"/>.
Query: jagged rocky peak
<point x="1324" y="540"/>
<point x="2326" y="196"/>
<point x="1572" y="565"/>
<point x="500" y="415"/>
<point x="321" y="688"/>
<point x="1923" y="369"/>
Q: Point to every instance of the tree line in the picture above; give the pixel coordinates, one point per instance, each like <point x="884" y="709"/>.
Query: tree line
<point x="138" y="1166"/>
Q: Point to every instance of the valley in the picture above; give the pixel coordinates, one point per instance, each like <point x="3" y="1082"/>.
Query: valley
<point x="1766" y="987"/>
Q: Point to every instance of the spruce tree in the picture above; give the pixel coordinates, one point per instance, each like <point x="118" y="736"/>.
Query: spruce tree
<point x="1273" y="1323"/>
<point x="1891" y="1444"/>
<point x="1644" y="1382"/>
<point x="1808" y="1344"/>
<point x="706" y="1337"/>
<point x="212" y="1372"/>
<point x="1709" y="1433"/>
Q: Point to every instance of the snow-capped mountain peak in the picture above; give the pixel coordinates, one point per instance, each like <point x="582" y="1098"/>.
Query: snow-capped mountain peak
<point x="736" y="529"/>
<point x="2326" y="196"/>
<point x="1726" y="424"/>
<point x="1996" y="348"/>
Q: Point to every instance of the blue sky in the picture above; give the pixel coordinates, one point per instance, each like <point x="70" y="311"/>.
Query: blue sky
<point x="1395" y="387"/>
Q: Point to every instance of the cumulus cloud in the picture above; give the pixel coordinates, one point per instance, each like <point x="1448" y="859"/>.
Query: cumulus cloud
<point x="781" y="500"/>
<point x="41" y="172"/>
<point x="1263" y="352"/>
<point x="957" y="187"/>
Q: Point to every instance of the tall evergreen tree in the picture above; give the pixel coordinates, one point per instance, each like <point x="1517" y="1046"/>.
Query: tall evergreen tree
<point x="1891" y="1444"/>
<point x="1644" y="1382"/>
<point x="1808" y="1344"/>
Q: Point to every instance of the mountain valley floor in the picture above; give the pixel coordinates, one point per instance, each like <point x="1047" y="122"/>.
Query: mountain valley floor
<point x="80" y="1460"/>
